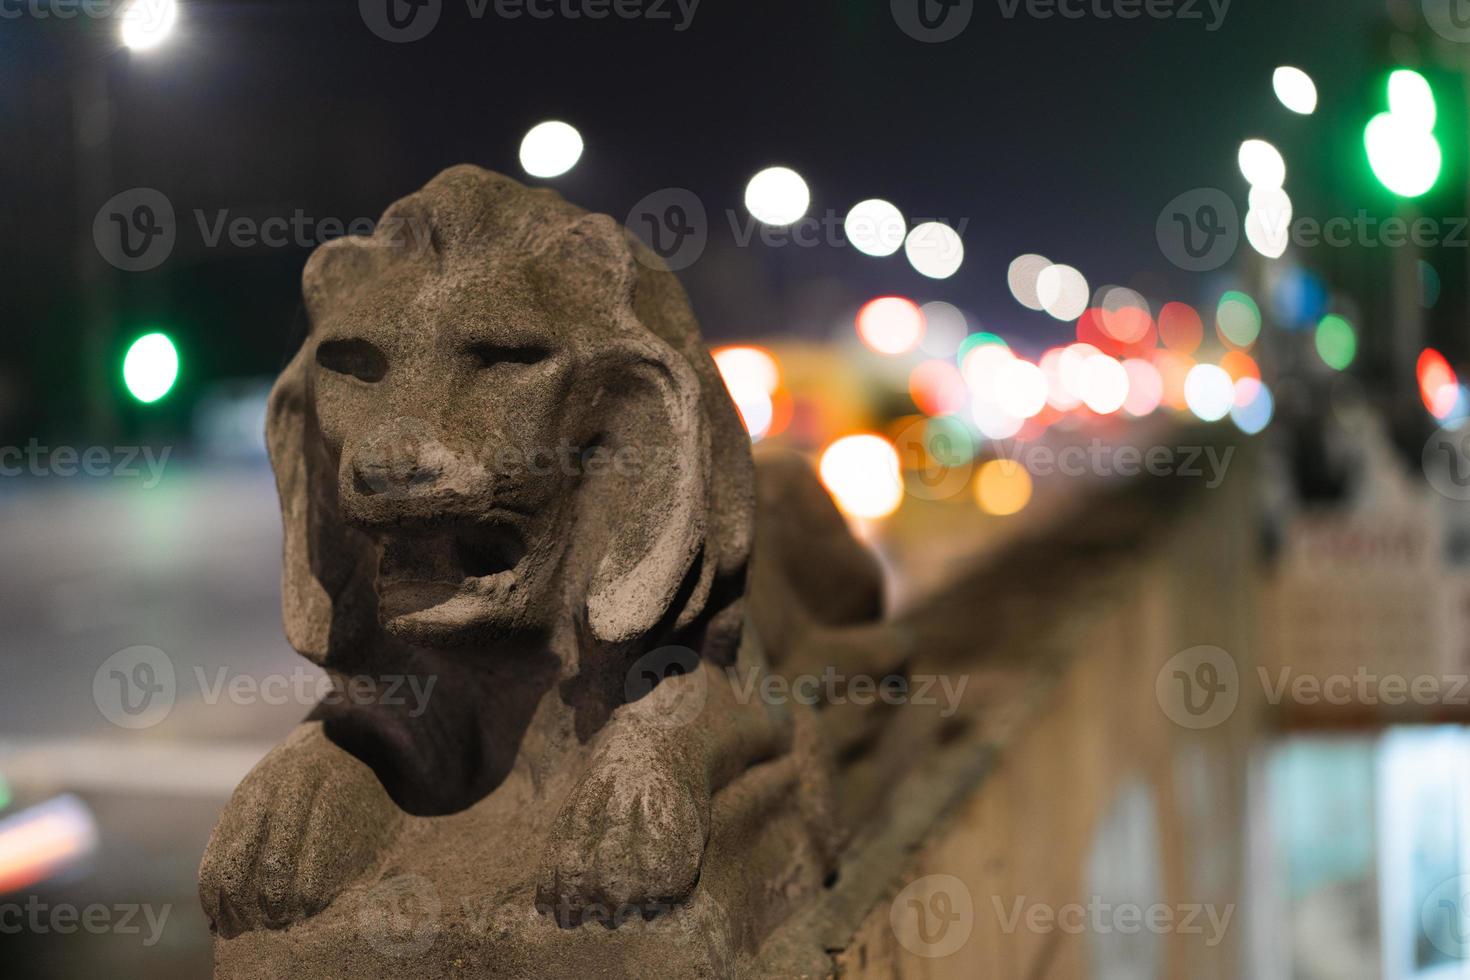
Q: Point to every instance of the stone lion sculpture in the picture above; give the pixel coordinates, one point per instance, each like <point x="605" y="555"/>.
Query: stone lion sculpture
<point x="507" y="463"/>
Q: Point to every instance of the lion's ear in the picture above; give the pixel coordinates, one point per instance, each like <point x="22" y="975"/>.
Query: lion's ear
<point x="321" y="570"/>
<point x="655" y="506"/>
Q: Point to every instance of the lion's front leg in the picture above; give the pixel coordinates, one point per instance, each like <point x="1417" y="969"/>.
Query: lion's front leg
<point x="631" y="836"/>
<point x="308" y="819"/>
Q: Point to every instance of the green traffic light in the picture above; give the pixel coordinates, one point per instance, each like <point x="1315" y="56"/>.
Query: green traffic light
<point x="151" y="367"/>
<point x="1402" y="150"/>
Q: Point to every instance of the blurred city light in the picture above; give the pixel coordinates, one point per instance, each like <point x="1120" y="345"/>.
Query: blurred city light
<point x="1268" y="221"/>
<point x="1023" y="277"/>
<point x="151" y="367"/>
<point x="145" y="24"/>
<point x="1123" y="314"/>
<point x="1209" y="392"/>
<point x="37" y="843"/>
<point x="937" y="387"/>
<point x="875" y="227"/>
<point x="1180" y="327"/>
<point x="1253" y="406"/>
<point x="550" y="149"/>
<point x="1020" y="388"/>
<point x="1336" y="342"/>
<point x="1002" y="487"/>
<point x="1104" y="384"/>
<point x="1438" y="385"/>
<point x="748" y="367"/>
<point x="890" y="325"/>
<point x="1238" y="319"/>
<point x="751" y="375"/>
<point x="1261" y="164"/>
<point x="934" y="249"/>
<point x="1295" y="89"/>
<point x="6" y="796"/>
<point x="1402" y="150"/>
<point x="777" y="196"/>
<point x="862" y="474"/>
<point x="944" y="329"/>
<point x="1062" y="291"/>
<point x="1411" y="99"/>
<point x="1145" y="387"/>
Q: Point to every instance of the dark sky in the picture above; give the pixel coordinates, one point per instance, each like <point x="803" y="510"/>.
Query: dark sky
<point x="1060" y="136"/>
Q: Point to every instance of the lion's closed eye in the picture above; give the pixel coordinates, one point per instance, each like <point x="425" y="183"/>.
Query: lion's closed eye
<point x="358" y="358"/>
<point x="491" y="355"/>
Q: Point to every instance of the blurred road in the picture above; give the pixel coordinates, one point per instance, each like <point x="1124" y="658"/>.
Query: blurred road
<point x="190" y="567"/>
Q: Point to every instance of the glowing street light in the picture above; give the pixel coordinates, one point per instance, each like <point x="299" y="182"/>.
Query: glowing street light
<point x="1402" y="150"/>
<point x="145" y="24"/>
<point x="151" y="367"/>
<point x="550" y="149"/>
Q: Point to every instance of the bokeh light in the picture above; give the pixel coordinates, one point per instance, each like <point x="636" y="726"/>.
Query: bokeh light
<point x="1062" y="291"/>
<point x="1238" y="319"/>
<point x="1268" y="222"/>
<point x="1002" y="487"/>
<point x="1438" y="384"/>
<point x="1336" y="342"/>
<point x="937" y="387"/>
<point x="934" y="249"/>
<point x="1261" y="164"/>
<point x="1180" y="327"/>
<point x="1124" y="314"/>
<point x="777" y="196"/>
<point x="1104" y="384"/>
<point x="1209" y="392"/>
<point x="1023" y="277"/>
<point x="875" y="227"/>
<point x="861" y="472"/>
<point x="944" y="329"/>
<point x="1020" y="388"/>
<point x="151" y="367"/>
<point x="550" y="149"/>
<point x="1295" y="89"/>
<point x="1145" y="387"/>
<point x="145" y="24"/>
<point x="748" y="367"/>
<point x="890" y="325"/>
<point x="1253" y="406"/>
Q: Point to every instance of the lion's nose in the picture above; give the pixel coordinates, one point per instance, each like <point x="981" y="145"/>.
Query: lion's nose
<point x="400" y="459"/>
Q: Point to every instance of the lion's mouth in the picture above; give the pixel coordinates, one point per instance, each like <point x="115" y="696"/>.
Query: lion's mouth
<point x="419" y="571"/>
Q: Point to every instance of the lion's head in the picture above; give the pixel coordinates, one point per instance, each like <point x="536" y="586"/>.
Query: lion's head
<point x="503" y="419"/>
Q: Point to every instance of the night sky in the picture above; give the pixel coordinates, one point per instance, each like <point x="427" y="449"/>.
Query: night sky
<point x="1058" y="136"/>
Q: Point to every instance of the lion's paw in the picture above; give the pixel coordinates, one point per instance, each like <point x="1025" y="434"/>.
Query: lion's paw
<point x="630" y="840"/>
<point x="297" y="830"/>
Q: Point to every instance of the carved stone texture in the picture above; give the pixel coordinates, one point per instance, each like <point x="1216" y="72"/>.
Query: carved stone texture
<point x="511" y="477"/>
